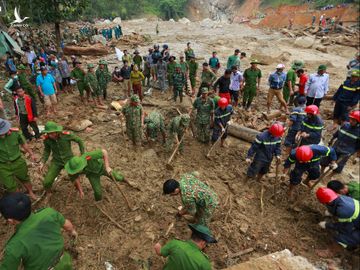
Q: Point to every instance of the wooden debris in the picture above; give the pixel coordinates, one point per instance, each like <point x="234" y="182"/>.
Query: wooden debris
<point x="93" y="50"/>
<point x="272" y="115"/>
<point x="241" y="253"/>
<point x="241" y="132"/>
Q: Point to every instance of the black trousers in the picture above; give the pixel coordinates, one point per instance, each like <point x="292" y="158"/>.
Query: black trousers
<point x="313" y="101"/>
<point x="24" y="123"/>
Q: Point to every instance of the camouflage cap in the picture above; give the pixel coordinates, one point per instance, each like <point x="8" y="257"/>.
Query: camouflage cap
<point x="90" y="66"/>
<point x="204" y="90"/>
<point x="185" y="119"/>
<point x="102" y="62"/>
<point x="135" y="98"/>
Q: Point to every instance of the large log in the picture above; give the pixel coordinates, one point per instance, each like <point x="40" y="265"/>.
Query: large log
<point x="272" y="115"/>
<point x="241" y="132"/>
<point x="95" y="50"/>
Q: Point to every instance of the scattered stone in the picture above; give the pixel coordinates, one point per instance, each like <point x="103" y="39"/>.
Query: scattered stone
<point x="184" y="21"/>
<point x="103" y="117"/>
<point x="138" y="218"/>
<point x="80" y="125"/>
<point x="244" y="228"/>
<point x="321" y="49"/>
<point x="304" y="42"/>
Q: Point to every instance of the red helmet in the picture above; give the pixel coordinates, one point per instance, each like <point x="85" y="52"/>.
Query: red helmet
<point x="312" y="109"/>
<point x="355" y="115"/>
<point x="304" y="153"/>
<point x="326" y="195"/>
<point x="276" y="130"/>
<point x="223" y="102"/>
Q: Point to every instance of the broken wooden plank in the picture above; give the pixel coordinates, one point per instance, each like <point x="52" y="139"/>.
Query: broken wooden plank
<point x="241" y="253"/>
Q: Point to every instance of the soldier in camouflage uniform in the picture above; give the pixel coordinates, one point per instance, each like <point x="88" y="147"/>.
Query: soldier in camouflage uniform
<point x="179" y="82"/>
<point x="24" y="81"/>
<point x="134" y="116"/>
<point x="103" y="76"/>
<point x="92" y="83"/>
<point x="197" y="198"/>
<point x="204" y="117"/>
<point x="177" y="129"/>
<point x="78" y="74"/>
<point x="154" y="124"/>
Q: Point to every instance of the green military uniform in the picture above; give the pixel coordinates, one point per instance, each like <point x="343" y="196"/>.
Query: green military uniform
<point x="92" y="83"/>
<point x="12" y="165"/>
<point x="38" y="243"/>
<point x="189" y="53"/>
<point x="207" y="78"/>
<point x="133" y="116"/>
<point x="170" y="71"/>
<point x="103" y="77"/>
<point x="177" y="127"/>
<point x="92" y="165"/>
<point x="179" y="82"/>
<point x="290" y="76"/>
<point x="354" y="190"/>
<point x="60" y="150"/>
<point x="184" y="255"/>
<point x="79" y="75"/>
<point x="25" y="83"/>
<point x="197" y="198"/>
<point x="154" y="124"/>
<point x="203" y="117"/>
<point x="250" y="77"/>
<point x="184" y="67"/>
<point x="138" y="60"/>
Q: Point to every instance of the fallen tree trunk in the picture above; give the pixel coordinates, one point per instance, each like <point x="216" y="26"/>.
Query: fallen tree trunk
<point x="272" y="115"/>
<point x="241" y="132"/>
<point x="96" y="50"/>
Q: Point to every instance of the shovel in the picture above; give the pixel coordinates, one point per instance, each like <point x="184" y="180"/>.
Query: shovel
<point x="217" y="141"/>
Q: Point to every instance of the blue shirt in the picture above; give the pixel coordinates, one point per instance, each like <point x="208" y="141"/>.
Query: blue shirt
<point x="348" y="139"/>
<point x="10" y="65"/>
<point x="223" y="116"/>
<point x="317" y="85"/>
<point x="265" y="147"/>
<point x="343" y="208"/>
<point x="46" y="83"/>
<point x="214" y="62"/>
<point x="319" y="151"/>
<point x="277" y="80"/>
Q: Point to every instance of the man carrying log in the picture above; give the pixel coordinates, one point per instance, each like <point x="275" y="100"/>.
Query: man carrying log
<point x="94" y="165"/>
<point x="37" y="242"/>
<point x="134" y="116"/>
<point x="204" y="107"/>
<point x="198" y="199"/>
<point x="266" y="145"/>
<point x="307" y="159"/>
<point x="154" y="124"/>
<point x="222" y="117"/>
<point x="57" y="143"/>
<point x="177" y="128"/>
<point x="186" y="255"/>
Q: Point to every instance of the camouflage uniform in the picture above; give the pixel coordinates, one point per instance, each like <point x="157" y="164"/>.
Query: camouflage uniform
<point x="133" y="116"/>
<point x="177" y="127"/>
<point x="26" y="85"/>
<point x="103" y="77"/>
<point x="79" y="75"/>
<point x="179" y="82"/>
<point x="197" y="198"/>
<point x="154" y="124"/>
<point x="91" y="81"/>
<point x="203" y="116"/>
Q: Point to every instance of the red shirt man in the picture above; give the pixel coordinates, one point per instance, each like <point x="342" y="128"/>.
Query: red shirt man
<point x="302" y="81"/>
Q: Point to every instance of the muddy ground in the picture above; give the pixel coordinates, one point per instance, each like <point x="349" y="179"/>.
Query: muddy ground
<point x="238" y="223"/>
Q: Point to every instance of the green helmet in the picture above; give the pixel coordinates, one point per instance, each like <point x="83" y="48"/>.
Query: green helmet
<point x="216" y="99"/>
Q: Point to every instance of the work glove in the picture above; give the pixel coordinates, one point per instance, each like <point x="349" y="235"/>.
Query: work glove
<point x="222" y="130"/>
<point x="322" y="224"/>
<point x="333" y="166"/>
<point x="248" y="161"/>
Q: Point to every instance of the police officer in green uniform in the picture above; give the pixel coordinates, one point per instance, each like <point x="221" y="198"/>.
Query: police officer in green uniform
<point x="12" y="164"/>
<point x="134" y="117"/>
<point x="104" y="77"/>
<point x="177" y="129"/>
<point x="186" y="255"/>
<point x="205" y="115"/>
<point x="170" y="71"/>
<point x="94" y="165"/>
<point x="78" y="74"/>
<point x="92" y="83"/>
<point x="58" y="143"/>
<point x="37" y="242"/>
<point x="154" y="124"/>
<point x="24" y="82"/>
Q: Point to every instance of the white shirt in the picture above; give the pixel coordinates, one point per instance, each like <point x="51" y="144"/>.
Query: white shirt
<point x="317" y="86"/>
<point x="30" y="56"/>
<point x="235" y="80"/>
